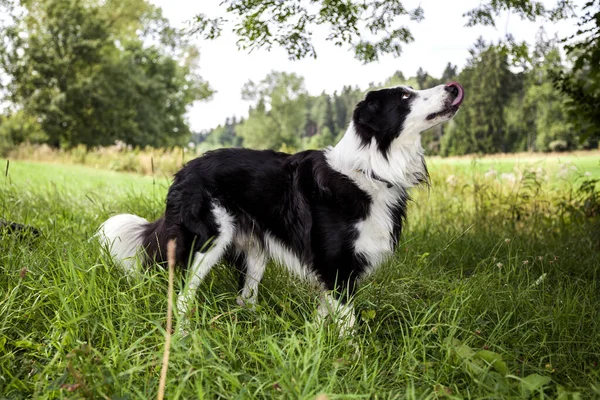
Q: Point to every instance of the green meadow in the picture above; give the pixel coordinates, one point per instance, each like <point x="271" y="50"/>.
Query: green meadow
<point x="493" y="293"/>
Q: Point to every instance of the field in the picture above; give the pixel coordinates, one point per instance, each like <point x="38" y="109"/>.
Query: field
<point x="493" y="293"/>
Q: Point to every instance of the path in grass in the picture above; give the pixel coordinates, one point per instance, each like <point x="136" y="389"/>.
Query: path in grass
<point x="493" y="293"/>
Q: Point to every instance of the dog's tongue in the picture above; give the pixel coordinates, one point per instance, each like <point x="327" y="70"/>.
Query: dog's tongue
<point x="461" y="93"/>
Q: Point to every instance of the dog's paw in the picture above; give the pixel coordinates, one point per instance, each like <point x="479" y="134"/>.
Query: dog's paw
<point x="249" y="303"/>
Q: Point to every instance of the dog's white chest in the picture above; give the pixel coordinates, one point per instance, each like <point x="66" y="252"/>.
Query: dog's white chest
<point x="375" y="233"/>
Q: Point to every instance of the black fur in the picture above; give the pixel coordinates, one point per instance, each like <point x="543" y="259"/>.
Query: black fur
<point x="299" y="199"/>
<point x="381" y="115"/>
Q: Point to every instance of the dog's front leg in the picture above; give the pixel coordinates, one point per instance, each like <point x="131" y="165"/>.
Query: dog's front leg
<point x="341" y="312"/>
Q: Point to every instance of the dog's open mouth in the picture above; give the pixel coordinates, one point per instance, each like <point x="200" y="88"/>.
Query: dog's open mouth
<point x="456" y="95"/>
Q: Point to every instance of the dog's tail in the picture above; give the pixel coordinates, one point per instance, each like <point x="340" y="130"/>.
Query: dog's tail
<point x="130" y="239"/>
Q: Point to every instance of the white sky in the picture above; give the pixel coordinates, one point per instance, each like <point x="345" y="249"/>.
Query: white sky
<point x="440" y="38"/>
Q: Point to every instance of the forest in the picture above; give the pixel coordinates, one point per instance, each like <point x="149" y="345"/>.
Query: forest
<point x="86" y="72"/>
<point x="510" y="107"/>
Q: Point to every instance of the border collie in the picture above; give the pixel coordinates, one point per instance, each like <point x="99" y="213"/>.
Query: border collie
<point x="333" y="215"/>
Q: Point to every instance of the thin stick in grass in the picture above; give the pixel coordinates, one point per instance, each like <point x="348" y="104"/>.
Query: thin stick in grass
<point x="165" y="363"/>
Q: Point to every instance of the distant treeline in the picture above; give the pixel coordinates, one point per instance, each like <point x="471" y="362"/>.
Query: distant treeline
<point x="511" y="105"/>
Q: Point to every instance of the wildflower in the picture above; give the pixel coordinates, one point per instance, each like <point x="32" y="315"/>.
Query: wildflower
<point x="23" y="272"/>
<point x="507" y="240"/>
<point x="490" y="174"/>
<point x="540" y="258"/>
<point x="525" y="262"/>
<point x="509" y="176"/>
<point x="451" y="180"/>
<point x="587" y="173"/>
<point x="499" y="265"/>
<point x="539" y="172"/>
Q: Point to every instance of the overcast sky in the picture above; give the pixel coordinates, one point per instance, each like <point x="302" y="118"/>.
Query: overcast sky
<point x="440" y="38"/>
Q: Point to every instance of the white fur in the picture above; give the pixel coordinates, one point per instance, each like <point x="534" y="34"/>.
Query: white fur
<point x="375" y="239"/>
<point x="403" y="167"/>
<point x="342" y="313"/>
<point x="122" y="236"/>
<point x="256" y="264"/>
<point x="426" y="102"/>
<point x="203" y="262"/>
<point x="280" y="253"/>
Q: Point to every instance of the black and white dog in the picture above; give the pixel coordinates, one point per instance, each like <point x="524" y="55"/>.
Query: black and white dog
<point x="333" y="214"/>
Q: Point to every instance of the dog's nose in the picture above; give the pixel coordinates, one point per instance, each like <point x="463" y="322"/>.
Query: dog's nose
<point x="456" y="91"/>
<point x="453" y="90"/>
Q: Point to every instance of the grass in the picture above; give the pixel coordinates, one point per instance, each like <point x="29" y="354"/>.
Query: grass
<point x="493" y="293"/>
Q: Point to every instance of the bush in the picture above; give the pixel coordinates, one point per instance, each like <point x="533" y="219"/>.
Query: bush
<point x="558" y="145"/>
<point x="18" y="128"/>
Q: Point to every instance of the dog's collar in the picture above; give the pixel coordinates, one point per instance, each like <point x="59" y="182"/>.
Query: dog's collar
<point x="377" y="178"/>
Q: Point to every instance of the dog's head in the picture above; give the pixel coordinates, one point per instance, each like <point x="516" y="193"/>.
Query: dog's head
<point x="387" y="114"/>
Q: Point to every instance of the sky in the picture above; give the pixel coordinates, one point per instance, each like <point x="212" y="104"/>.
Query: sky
<point x="440" y="38"/>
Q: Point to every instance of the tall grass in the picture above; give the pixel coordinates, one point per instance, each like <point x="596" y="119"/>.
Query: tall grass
<point x="492" y="294"/>
<point x="119" y="157"/>
<point x="166" y="161"/>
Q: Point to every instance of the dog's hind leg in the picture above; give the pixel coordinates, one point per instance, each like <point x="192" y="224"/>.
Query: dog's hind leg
<point x="205" y="259"/>
<point x="255" y="265"/>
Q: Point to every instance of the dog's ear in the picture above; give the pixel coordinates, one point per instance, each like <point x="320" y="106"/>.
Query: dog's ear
<point x="369" y="113"/>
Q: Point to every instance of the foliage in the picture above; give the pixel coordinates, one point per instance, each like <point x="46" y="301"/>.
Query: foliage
<point x="289" y="23"/>
<point x="492" y="294"/>
<point x="284" y="116"/>
<point x="118" y="157"/>
<point x="485" y="12"/>
<point x="489" y="84"/>
<point x="89" y="73"/>
<point x="505" y="110"/>
<point x="278" y="117"/>
<point x="17" y="128"/>
<point x="372" y="28"/>
<point x="582" y="83"/>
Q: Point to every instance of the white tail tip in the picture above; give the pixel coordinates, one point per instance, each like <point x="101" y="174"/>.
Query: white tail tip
<point x="123" y="237"/>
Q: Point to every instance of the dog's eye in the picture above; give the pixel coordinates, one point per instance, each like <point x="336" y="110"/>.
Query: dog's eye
<point x="406" y="96"/>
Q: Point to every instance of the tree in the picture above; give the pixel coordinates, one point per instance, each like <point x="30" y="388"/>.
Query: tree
<point x="582" y="83"/>
<point x="321" y="112"/>
<point x="82" y="69"/>
<point x="289" y="23"/>
<point x="480" y="125"/>
<point x="343" y="107"/>
<point x="537" y="119"/>
<point x="321" y="140"/>
<point x="450" y="73"/>
<point x="279" y="116"/>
